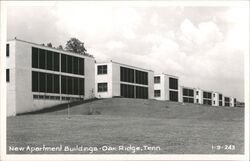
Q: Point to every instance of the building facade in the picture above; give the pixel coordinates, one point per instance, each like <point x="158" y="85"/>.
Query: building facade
<point x="198" y="96"/>
<point x="227" y="101"/>
<point x="166" y="87"/>
<point x="113" y="79"/>
<point x="39" y="77"/>
<point x="187" y="94"/>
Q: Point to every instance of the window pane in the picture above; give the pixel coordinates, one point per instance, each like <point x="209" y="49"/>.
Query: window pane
<point x="35" y="57"/>
<point x="64" y="84"/>
<point x="42" y="82"/>
<point x="35" y="83"/>
<point x="49" y="60"/>
<point x="63" y="63"/>
<point x="76" y="65"/>
<point x="42" y="59"/>
<point x="56" y="84"/>
<point x="7" y="49"/>
<point x="81" y="66"/>
<point x="69" y="64"/>
<point x="76" y="86"/>
<point x="49" y="83"/>
<point x="102" y="87"/>
<point x="69" y="84"/>
<point x="56" y="61"/>
<point x="81" y="85"/>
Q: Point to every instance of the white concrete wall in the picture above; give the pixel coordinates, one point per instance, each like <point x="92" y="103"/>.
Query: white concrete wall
<point x="116" y="90"/>
<point x="89" y="75"/>
<point x="161" y="86"/>
<point x="150" y="84"/>
<point x="11" y="86"/>
<point x="104" y="78"/>
<point x="231" y="102"/>
<point x="215" y="99"/>
<point x="199" y="96"/>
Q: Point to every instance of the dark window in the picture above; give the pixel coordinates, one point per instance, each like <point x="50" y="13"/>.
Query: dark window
<point x="102" y="69"/>
<point x="141" y="77"/>
<point x="191" y="100"/>
<point x="173" y="96"/>
<point x="76" y="65"/>
<point x="141" y="92"/>
<point x="227" y="104"/>
<point x="102" y="87"/>
<point x="207" y="95"/>
<point x="157" y="79"/>
<point x="188" y="100"/>
<point x="127" y="75"/>
<point x="173" y="83"/>
<point x="69" y="85"/>
<point x="7" y="50"/>
<point x="197" y="92"/>
<point x="7" y="75"/>
<point x="56" y="84"/>
<point x="63" y="63"/>
<point x="220" y="103"/>
<point x="188" y="92"/>
<point x="76" y="86"/>
<point x="81" y="85"/>
<point x="197" y="100"/>
<point x="157" y="93"/>
<point x="185" y="99"/>
<point x="35" y="81"/>
<point x="127" y="91"/>
<point x="227" y="99"/>
<point x="81" y="66"/>
<point x="49" y="83"/>
<point x="42" y="82"/>
<point x="69" y="64"/>
<point x="220" y="96"/>
<point x="49" y="60"/>
<point x="35" y="58"/>
<point x="207" y="102"/>
<point x="64" y="84"/>
<point x="42" y="59"/>
<point x="56" y="61"/>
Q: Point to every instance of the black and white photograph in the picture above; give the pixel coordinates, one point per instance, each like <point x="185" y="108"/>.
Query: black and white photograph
<point x="125" y="78"/>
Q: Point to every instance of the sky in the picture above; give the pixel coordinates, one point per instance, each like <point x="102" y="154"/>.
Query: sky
<point x="203" y="45"/>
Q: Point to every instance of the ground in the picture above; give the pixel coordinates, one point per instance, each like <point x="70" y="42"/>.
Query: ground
<point x="157" y="127"/>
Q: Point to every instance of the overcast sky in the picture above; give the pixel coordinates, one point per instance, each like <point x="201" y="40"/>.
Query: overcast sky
<point x="203" y="45"/>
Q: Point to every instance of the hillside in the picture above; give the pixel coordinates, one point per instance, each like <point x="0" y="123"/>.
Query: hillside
<point x="154" y="109"/>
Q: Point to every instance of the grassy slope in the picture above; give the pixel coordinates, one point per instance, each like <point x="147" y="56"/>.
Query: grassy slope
<point x="177" y="129"/>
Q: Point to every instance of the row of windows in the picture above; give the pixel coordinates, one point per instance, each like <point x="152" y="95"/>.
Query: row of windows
<point x="188" y="100"/>
<point x="102" y="87"/>
<point x="157" y="93"/>
<point x="130" y="91"/>
<point x="102" y="69"/>
<point x="207" y="102"/>
<point x="72" y="64"/>
<point x="173" y="83"/>
<point x="133" y="76"/>
<point x="45" y="59"/>
<point x="227" y="104"/>
<point x="173" y="96"/>
<point x="227" y="99"/>
<point x="72" y="85"/>
<point x="207" y="95"/>
<point x="220" y="103"/>
<point x="48" y="97"/>
<point x="45" y="82"/>
<point x="188" y="92"/>
<point x="157" y="79"/>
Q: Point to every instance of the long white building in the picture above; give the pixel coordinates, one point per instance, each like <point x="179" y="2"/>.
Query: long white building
<point x="38" y="76"/>
<point x="113" y="79"/>
<point x="166" y="87"/>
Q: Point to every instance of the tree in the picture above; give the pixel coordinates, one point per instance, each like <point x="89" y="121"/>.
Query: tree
<point x="60" y="47"/>
<point x="76" y="46"/>
<point x="49" y="44"/>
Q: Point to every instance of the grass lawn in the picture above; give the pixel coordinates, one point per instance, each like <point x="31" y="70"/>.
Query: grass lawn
<point x="172" y="135"/>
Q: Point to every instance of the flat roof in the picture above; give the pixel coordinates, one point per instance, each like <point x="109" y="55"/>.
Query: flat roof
<point x="51" y="48"/>
<point x="187" y="87"/>
<point x="167" y="75"/>
<point x="111" y="61"/>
